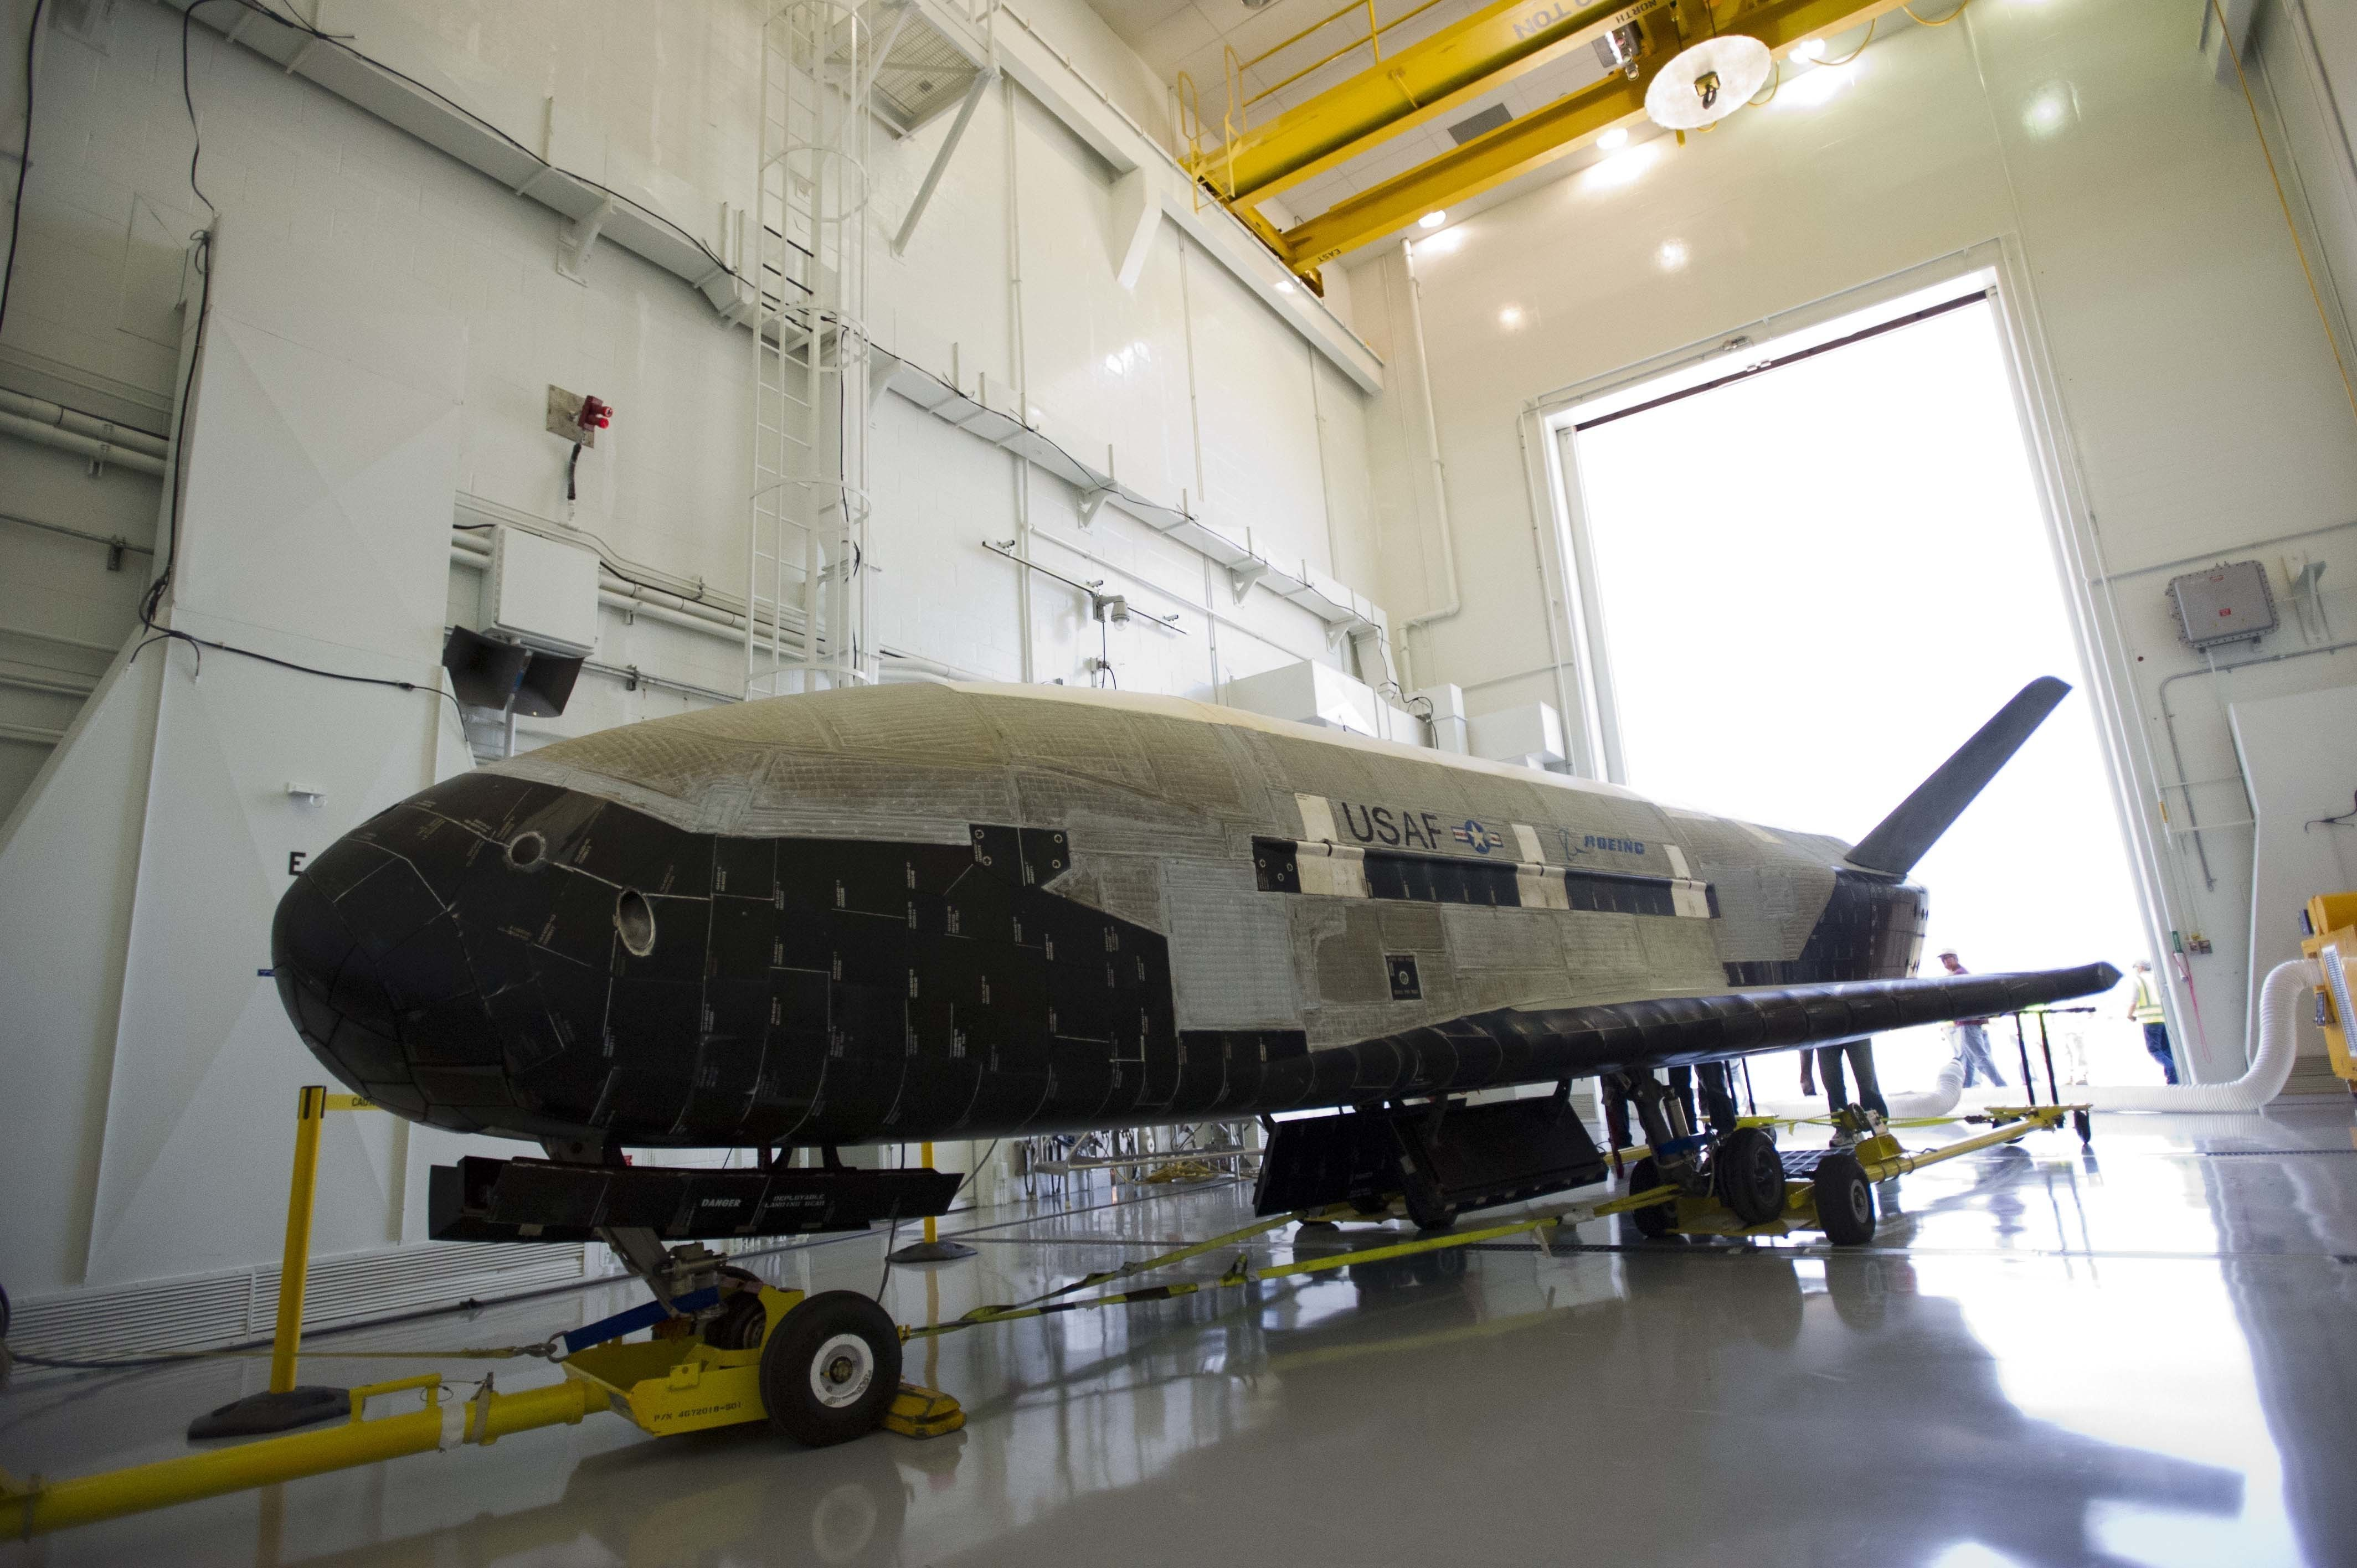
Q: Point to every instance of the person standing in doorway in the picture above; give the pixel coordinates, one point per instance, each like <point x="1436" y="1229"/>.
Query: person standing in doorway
<point x="2146" y="1009"/>
<point x="1972" y="1034"/>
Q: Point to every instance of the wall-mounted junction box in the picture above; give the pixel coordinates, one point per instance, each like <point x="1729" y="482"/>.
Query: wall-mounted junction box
<point x="2232" y="603"/>
<point x="564" y="418"/>
<point x="541" y="593"/>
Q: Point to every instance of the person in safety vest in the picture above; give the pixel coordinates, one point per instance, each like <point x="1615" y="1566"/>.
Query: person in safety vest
<point x="2145" y="1008"/>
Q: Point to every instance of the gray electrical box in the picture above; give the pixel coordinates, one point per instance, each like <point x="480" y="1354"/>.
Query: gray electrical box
<point x="2232" y="603"/>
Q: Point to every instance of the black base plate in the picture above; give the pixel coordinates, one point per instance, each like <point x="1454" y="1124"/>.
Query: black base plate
<point x="541" y="1200"/>
<point x="932" y="1252"/>
<point x="304" y="1406"/>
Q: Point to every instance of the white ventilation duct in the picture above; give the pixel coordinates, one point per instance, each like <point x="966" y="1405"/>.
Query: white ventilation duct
<point x="1946" y="1089"/>
<point x="2279" y="996"/>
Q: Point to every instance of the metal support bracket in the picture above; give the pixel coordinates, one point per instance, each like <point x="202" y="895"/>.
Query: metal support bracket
<point x="981" y="83"/>
<point x="1244" y="575"/>
<point x="580" y="235"/>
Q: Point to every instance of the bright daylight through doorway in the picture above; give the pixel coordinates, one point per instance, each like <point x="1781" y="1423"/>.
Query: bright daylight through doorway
<point x="1861" y="573"/>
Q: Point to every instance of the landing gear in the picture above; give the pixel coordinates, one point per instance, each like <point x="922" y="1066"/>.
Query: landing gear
<point x="1749" y="1175"/>
<point x="1844" y="1199"/>
<point x="1655" y="1221"/>
<point x="2085" y="1128"/>
<point x="832" y="1369"/>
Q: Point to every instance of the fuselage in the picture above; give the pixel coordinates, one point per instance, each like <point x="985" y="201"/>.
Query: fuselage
<point x="931" y="911"/>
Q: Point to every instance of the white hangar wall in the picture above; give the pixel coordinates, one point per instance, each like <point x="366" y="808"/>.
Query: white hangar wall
<point x="385" y="321"/>
<point x="2204" y="415"/>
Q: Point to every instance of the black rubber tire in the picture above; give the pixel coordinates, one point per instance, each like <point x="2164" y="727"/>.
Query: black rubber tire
<point x="787" y="1365"/>
<point x="1749" y="1175"/>
<point x="740" y="1324"/>
<point x="1844" y="1200"/>
<point x="1656" y="1222"/>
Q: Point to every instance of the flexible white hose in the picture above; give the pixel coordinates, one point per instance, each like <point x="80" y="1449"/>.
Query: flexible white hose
<point x="1937" y="1100"/>
<point x="2279" y="996"/>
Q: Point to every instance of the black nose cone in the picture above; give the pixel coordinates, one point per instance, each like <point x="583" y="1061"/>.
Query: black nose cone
<point x="366" y="955"/>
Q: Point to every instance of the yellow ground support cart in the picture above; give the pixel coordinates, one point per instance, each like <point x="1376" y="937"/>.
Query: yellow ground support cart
<point x="2331" y="921"/>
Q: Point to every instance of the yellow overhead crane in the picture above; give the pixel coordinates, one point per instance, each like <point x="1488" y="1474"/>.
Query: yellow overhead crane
<point x="1428" y="79"/>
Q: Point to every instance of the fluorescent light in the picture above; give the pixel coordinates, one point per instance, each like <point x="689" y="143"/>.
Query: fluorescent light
<point x="1511" y="318"/>
<point x="1622" y="167"/>
<point x="1809" y="50"/>
<point x="1812" y="88"/>
<point x="2054" y="107"/>
<point x="1613" y="140"/>
<point x="1672" y="255"/>
<point x="1285" y="285"/>
<point x="1432" y="221"/>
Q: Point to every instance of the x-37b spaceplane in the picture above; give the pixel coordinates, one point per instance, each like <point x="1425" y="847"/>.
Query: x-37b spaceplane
<point x="912" y="912"/>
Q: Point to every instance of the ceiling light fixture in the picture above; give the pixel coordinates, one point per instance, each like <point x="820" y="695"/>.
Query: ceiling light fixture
<point x="1511" y="318"/>
<point x="1704" y="84"/>
<point x="1810" y="49"/>
<point x="1613" y="140"/>
<point x="1432" y="221"/>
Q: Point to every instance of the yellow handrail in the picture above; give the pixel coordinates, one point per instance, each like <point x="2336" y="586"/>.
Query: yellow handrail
<point x="1240" y="105"/>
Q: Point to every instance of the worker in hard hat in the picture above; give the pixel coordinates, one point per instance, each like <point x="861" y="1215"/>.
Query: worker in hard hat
<point x="1972" y="1036"/>
<point x="2146" y="1009"/>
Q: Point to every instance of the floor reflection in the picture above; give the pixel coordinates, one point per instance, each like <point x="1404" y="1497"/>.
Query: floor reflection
<point x="2297" y="1315"/>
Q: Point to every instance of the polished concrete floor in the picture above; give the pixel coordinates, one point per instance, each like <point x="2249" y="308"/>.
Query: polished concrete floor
<point x="2145" y="1353"/>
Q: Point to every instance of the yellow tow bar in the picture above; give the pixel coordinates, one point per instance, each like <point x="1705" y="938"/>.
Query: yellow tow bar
<point x="36" y="1507"/>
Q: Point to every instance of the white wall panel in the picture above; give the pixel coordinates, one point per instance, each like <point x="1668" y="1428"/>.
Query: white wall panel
<point x="1260" y="432"/>
<point x="321" y="460"/>
<point x="1106" y="366"/>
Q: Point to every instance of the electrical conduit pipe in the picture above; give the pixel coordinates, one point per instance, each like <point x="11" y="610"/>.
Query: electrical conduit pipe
<point x="1439" y="473"/>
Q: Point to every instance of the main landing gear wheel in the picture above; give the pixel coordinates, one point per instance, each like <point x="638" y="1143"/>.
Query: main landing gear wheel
<point x="1749" y="1175"/>
<point x="832" y="1369"/>
<point x="1844" y="1200"/>
<point x="1652" y="1222"/>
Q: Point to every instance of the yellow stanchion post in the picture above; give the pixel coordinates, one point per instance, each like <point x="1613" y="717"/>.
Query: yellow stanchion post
<point x="932" y="1249"/>
<point x="295" y="1265"/>
<point x="285" y="1405"/>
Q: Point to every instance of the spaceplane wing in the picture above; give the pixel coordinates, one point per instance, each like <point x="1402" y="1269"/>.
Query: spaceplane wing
<point x="912" y="912"/>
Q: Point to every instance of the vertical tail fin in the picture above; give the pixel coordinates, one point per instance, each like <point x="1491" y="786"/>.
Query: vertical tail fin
<point x="1901" y="838"/>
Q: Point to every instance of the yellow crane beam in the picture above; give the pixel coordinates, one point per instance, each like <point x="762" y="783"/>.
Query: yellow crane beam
<point x="1418" y="84"/>
<point x="1537" y="138"/>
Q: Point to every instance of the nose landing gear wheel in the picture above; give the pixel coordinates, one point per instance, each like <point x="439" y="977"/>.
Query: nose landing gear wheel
<point x="1844" y="1200"/>
<point x="832" y="1369"/>
<point x="1749" y="1174"/>
<point x="1654" y="1222"/>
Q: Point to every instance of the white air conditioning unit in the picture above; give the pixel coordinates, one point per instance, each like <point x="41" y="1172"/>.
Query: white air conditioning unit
<point x="1313" y="694"/>
<point x="541" y="593"/>
<point x="1531" y="735"/>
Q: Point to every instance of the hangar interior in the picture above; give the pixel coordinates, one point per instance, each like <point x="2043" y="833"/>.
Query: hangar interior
<point x="1731" y="403"/>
